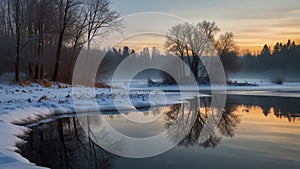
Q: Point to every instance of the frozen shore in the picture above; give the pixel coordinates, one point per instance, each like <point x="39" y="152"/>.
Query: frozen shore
<point x="19" y="105"/>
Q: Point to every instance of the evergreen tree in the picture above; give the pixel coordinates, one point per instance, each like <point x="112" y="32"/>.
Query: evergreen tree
<point x="125" y="51"/>
<point x="266" y="51"/>
<point x="276" y="48"/>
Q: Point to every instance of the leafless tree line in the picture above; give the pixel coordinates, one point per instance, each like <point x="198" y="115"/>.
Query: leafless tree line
<point x="39" y="36"/>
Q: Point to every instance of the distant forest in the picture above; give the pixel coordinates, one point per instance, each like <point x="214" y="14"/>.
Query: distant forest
<point x="281" y="62"/>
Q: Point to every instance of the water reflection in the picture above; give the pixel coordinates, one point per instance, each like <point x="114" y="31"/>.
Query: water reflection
<point x="281" y="107"/>
<point x="63" y="143"/>
<point x="199" y="115"/>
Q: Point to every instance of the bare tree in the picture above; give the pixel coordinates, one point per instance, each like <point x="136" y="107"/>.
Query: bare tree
<point x="209" y="29"/>
<point x="190" y="41"/>
<point x="94" y="19"/>
<point x="175" y="43"/>
<point x="6" y="18"/>
<point x="64" y="11"/>
<point x="36" y="28"/>
<point x="79" y="29"/>
<point x="226" y="43"/>
<point x="43" y="6"/>
<point x="7" y="33"/>
<point x="36" y="23"/>
<point x="228" y="51"/>
<point x="18" y="34"/>
<point x="100" y="19"/>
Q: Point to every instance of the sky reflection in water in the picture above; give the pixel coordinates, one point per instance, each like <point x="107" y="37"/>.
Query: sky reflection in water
<point x="254" y="132"/>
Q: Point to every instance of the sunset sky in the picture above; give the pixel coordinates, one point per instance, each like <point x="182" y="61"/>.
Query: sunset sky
<point x="253" y="23"/>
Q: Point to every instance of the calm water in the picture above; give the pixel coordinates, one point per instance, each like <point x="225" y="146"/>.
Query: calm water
<point x="254" y="132"/>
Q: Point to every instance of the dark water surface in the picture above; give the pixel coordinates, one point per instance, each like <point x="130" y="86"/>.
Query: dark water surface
<point x="254" y="132"/>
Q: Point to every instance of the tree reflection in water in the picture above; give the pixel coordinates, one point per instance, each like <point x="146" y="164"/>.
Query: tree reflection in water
<point x="281" y="107"/>
<point x="180" y="116"/>
<point x="64" y="144"/>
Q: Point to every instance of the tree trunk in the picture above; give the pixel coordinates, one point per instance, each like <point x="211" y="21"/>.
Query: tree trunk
<point x="9" y="19"/>
<point x="42" y="72"/>
<point x="36" y="71"/>
<point x="30" y="72"/>
<point x="70" y="75"/>
<point x="195" y="64"/>
<point x="57" y="60"/>
<point x="17" y="64"/>
<point x="40" y="49"/>
<point x="17" y="73"/>
<point x="60" y="41"/>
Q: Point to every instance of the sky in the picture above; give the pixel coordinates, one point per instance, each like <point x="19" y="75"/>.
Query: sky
<point x="254" y="23"/>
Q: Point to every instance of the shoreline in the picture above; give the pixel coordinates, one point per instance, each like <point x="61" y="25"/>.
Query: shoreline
<point x="18" y="111"/>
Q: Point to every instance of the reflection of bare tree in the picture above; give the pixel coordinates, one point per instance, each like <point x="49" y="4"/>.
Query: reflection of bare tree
<point x="99" y="133"/>
<point x="64" y="144"/>
<point x="181" y="116"/>
<point x="229" y="121"/>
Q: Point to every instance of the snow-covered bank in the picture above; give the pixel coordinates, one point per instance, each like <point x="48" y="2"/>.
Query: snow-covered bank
<point x="289" y="89"/>
<point x="32" y="103"/>
<point x="10" y="132"/>
<point x="19" y="105"/>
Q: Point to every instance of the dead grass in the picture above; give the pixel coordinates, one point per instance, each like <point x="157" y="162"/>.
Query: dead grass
<point x="24" y="83"/>
<point x="44" y="83"/>
<point x="102" y="85"/>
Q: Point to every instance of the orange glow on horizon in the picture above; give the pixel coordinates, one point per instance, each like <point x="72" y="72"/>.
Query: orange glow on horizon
<point x="245" y="42"/>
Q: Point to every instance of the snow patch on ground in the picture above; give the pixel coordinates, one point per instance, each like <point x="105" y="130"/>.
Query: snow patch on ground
<point x="9" y="133"/>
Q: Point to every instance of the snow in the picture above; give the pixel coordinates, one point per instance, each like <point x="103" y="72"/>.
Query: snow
<point x="9" y="133"/>
<point x="19" y="105"/>
<point x="24" y="104"/>
<point x="288" y="89"/>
